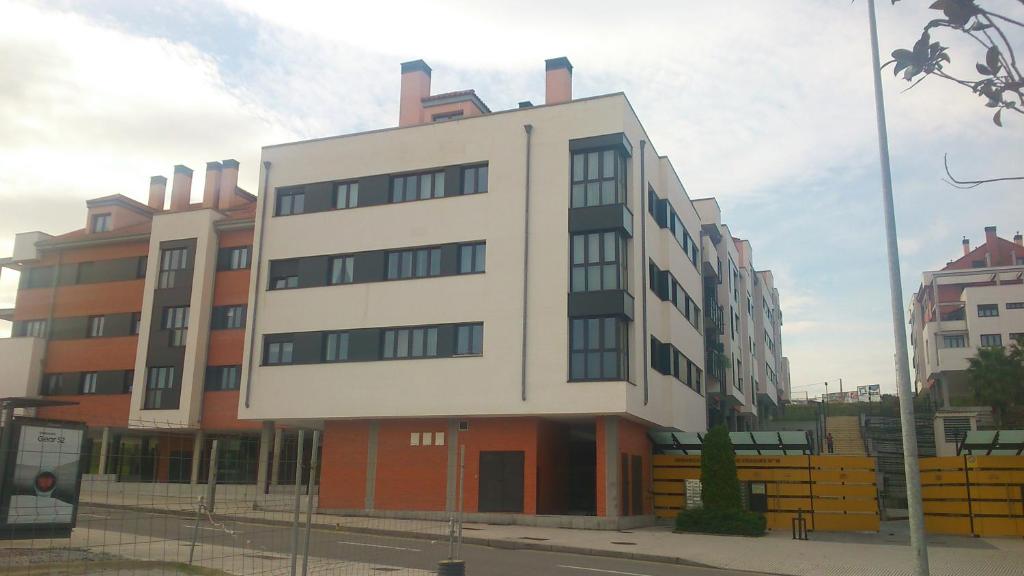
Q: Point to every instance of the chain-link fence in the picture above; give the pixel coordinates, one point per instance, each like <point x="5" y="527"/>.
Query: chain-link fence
<point x="158" y="500"/>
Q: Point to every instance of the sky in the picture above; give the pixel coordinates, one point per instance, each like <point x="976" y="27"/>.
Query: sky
<point x="767" y="106"/>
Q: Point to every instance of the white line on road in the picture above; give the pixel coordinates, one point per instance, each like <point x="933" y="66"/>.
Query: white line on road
<point x="380" y="546"/>
<point x="87" y="515"/>
<point x="602" y="571"/>
<point x="190" y="527"/>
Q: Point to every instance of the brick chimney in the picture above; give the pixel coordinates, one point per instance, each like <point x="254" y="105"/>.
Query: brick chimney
<point x="558" y="80"/>
<point x="211" y="188"/>
<point x="228" y="183"/>
<point x="990" y="236"/>
<point x="1018" y="239"/>
<point x="181" y="187"/>
<point x="967" y="246"/>
<point x="415" y="87"/>
<point x="157" y="192"/>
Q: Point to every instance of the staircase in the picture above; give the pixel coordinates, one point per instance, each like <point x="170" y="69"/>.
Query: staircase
<point x="846" y="436"/>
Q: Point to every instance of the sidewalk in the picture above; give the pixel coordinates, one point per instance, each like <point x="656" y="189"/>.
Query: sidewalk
<point x="826" y="554"/>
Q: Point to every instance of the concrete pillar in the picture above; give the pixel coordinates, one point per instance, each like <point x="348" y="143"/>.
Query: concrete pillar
<point x="104" y="450"/>
<point x="610" y="439"/>
<point x="371" y="465"/>
<point x="944" y="388"/>
<point x="197" y="456"/>
<point x="275" y="467"/>
<point x="266" y="438"/>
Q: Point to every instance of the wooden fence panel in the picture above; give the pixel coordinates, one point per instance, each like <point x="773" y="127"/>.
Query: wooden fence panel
<point x="979" y="495"/>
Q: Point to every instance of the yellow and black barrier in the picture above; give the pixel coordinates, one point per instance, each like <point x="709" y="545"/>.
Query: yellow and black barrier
<point x="976" y="495"/>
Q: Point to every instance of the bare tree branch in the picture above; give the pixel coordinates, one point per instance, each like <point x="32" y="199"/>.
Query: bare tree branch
<point x="968" y="184"/>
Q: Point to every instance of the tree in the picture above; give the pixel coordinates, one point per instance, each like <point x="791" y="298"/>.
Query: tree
<point x="996" y="377"/>
<point x="720" y="483"/>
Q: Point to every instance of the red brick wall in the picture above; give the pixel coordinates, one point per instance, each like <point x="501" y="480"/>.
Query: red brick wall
<point x="343" y="475"/>
<point x="501" y="434"/>
<point x="552" y="468"/>
<point x="599" y="472"/>
<point x="634" y="442"/>
<point x="95" y="410"/>
<point x="220" y="412"/>
<point x="411" y="477"/>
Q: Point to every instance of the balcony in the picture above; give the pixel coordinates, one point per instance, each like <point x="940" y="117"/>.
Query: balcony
<point x="717" y="363"/>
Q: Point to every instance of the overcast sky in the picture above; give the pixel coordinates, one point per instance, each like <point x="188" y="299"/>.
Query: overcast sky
<point x="765" y="105"/>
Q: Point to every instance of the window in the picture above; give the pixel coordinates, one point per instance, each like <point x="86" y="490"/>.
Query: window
<point x="136" y="323"/>
<point x="977" y="263"/>
<point x="284" y="274"/>
<point x="474" y="179"/>
<point x="89" y="383"/>
<point x="35" y="328"/>
<point x="469" y="339"/>
<point x="346" y="195"/>
<point x="129" y="379"/>
<point x="175" y="321"/>
<point x="140" y="270"/>
<point x="159" y="383"/>
<point x="991" y="339"/>
<point x="52" y="384"/>
<point x="472" y="258"/>
<point x="598" y="349"/>
<point x="988" y="310"/>
<point x="694" y="377"/>
<point x="228" y="317"/>
<point x="446" y="116"/>
<point x="96" y="324"/>
<point x="291" y="202"/>
<point x="417" y="187"/>
<point x="410" y="342"/>
<point x="954" y="341"/>
<point x="419" y="263"/>
<point x="683" y="238"/>
<point x="1017" y="337"/>
<point x="598" y="262"/>
<point x="237" y="258"/>
<point x="223" y="377"/>
<point x="598" y="178"/>
<point x="336" y="347"/>
<point x="686" y="305"/>
<point x="171" y="261"/>
<point x="279" y="353"/>
<point x="101" y="223"/>
<point x="342" y="270"/>
<point x="1014" y="305"/>
<point x="38" y="277"/>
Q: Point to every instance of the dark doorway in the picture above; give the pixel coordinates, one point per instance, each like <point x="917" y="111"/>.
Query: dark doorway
<point x="637" y="507"/>
<point x="582" y="473"/>
<point x="180" y="467"/>
<point x="501" y="482"/>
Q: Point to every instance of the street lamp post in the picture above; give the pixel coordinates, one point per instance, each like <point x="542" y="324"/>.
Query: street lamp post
<point x="913" y="474"/>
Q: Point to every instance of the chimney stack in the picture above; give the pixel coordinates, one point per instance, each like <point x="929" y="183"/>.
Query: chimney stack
<point x="157" y="192"/>
<point x="211" y="188"/>
<point x="990" y="237"/>
<point x="181" y="187"/>
<point x="228" y="183"/>
<point x="558" y="80"/>
<point x="967" y="246"/>
<point x="1018" y="239"/>
<point x="415" y="87"/>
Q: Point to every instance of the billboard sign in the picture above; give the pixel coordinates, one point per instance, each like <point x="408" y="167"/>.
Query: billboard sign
<point x="875" y="392"/>
<point x="42" y="478"/>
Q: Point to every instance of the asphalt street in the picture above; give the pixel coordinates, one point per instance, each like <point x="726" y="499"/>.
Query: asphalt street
<point x="267" y="540"/>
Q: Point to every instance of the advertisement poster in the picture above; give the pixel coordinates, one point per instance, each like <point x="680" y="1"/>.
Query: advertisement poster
<point x="875" y="392"/>
<point x="42" y="481"/>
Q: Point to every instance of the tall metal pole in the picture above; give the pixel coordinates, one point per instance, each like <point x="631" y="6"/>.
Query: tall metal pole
<point x="899" y="324"/>
<point x="313" y="462"/>
<point x="298" y="502"/>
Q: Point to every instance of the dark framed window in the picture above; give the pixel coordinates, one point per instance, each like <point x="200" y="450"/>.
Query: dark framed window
<point x="686" y="305"/>
<point x="96" y="326"/>
<point x="469" y="339"/>
<point x="38" y="277"/>
<point x="52" y="384"/>
<point x="1014" y="305"/>
<point x="290" y="201"/>
<point x="346" y="195"/>
<point x="128" y="382"/>
<point x="223" y="378"/>
<point x="35" y="328"/>
<point x="419" y="342"/>
<point x="88" y="383"/>
<point x="136" y="323"/>
<point x="229" y="317"/>
<point x="175" y="321"/>
<point x="991" y="340"/>
<point x="419" y="263"/>
<point x="279" y="352"/>
<point x="474" y="179"/>
<point x="417" y="186"/>
<point x="237" y="258"/>
<point x="684" y="239"/>
<point x="446" y="116"/>
<point x="140" y="271"/>
<point x="598" y="262"/>
<point x="336" y="347"/>
<point x="598" y="349"/>
<point x="988" y="310"/>
<point x="342" y="270"/>
<point x="284" y="274"/>
<point x="159" y="384"/>
<point x="472" y="258"/>
<point x="172" y="260"/>
<point x="598" y="178"/>
<point x="101" y="222"/>
<point x="83" y="272"/>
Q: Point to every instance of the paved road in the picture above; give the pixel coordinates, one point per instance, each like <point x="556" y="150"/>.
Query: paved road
<point x="413" y="553"/>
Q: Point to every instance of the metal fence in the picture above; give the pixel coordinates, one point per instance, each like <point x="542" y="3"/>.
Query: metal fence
<point x="178" y="505"/>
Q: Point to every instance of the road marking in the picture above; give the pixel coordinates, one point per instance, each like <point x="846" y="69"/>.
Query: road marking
<point x="602" y="571"/>
<point x="86" y="514"/>
<point x="191" y="527"/>
<point x="380" y="546"/>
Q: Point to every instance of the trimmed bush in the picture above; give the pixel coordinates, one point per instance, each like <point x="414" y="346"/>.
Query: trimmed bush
<point x="720" y="486"/>
<point x="733" y="522"/>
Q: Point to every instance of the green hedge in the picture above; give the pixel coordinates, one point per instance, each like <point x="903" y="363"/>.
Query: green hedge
<point x="734" y="522"/>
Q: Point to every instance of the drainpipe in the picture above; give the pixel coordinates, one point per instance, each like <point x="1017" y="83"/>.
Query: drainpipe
<point x="256" y="294"/>
<point x="526" y="254"/>
<point x="643" y="265"/>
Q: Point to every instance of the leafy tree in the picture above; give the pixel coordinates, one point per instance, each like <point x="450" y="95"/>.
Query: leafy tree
<point x="720" y="483"/>
<point x="996" y="376"/>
